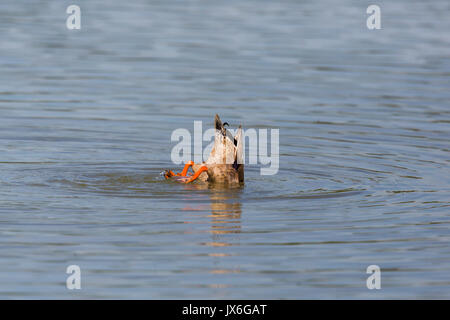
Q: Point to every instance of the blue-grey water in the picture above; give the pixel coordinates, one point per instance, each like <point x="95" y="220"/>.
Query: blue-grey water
<point x="86" y="118"/>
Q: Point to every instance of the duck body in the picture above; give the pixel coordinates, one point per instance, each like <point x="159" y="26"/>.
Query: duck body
<point x="225" y="163"/>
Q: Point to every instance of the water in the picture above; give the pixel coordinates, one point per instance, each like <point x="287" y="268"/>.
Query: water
<point x="85" y="124"/>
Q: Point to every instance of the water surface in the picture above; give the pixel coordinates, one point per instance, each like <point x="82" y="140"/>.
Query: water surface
<point x="85" y="123"/>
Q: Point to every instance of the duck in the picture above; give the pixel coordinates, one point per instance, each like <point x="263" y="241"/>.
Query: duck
<point x="225" y="163"/>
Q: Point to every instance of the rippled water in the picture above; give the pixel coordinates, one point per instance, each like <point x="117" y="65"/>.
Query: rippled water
<point x="85" y="123"/>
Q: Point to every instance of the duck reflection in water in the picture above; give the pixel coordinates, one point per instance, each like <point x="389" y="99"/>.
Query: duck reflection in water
<point x="225" y="224"/>
<point x="225" y="207"/>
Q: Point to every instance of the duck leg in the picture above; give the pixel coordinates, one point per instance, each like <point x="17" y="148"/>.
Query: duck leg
<point x="186" y="168"/>
<point x="183" y="175"/>
<point x="196" y="174"/>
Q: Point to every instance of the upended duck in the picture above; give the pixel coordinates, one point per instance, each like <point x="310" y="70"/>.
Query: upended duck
<point x="225" y="163"/>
